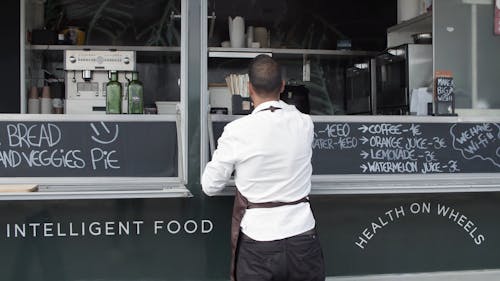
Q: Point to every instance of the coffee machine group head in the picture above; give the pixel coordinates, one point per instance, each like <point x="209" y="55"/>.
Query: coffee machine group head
<point x="87" y="73"/>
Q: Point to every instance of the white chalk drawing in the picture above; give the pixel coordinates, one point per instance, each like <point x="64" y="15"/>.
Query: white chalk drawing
<point x="106" y="137"/>
<point x="477" y="139"/>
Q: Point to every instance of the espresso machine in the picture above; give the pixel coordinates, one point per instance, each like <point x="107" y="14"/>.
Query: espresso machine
<point x="87" y="73"/>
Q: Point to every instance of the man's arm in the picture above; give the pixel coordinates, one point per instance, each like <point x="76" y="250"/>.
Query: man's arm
<point x="219" y="170"/>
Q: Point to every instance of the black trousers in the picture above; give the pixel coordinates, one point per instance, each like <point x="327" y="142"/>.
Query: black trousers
<point x="298" y="258"/>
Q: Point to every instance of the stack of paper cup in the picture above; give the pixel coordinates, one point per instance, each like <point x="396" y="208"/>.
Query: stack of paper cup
<point x="260" y="35"/>
<point x="46" y="101"/>
<point x="249" y="36"/>
<point x="33" y="101"/>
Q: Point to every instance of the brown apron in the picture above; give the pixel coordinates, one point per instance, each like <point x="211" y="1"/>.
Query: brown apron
<point x="240" y="205"/>
<point x="239" y="208"/>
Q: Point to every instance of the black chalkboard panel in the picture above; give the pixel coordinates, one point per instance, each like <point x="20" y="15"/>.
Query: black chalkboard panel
<point x="402" y="148"/>
<point x="88" y="149"/>
<point x="406" y="148"/>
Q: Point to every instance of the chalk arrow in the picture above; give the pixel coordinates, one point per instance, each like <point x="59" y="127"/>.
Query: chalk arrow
<point x="364" y="139"/>
<point x="363" y="128"/>
<point x="363" y="167"/>
<point x="364" y="154"/>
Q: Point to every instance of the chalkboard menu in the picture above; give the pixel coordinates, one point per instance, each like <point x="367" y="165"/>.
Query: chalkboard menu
<point x="406" y="148"/>
<point x="88" y="149"/>
<point x="402" y="148"/>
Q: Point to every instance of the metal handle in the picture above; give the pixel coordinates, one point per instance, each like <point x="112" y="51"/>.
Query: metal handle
<point x="174" y="16"/>
<point x="212" y="25"/>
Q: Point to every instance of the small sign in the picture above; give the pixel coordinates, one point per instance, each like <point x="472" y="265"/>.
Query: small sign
<point x="444" y="88"/>
<point x="444" y="102"/>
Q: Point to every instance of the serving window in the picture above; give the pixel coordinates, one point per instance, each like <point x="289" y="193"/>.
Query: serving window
<point x="102" y="101"/>
<point x="340" y="61"/>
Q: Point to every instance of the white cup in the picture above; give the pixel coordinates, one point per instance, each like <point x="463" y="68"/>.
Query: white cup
<point x="33" y="106"/>
<point x="46" y="106"/>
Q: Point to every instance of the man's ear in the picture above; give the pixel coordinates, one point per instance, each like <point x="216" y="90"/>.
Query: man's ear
<point x="282" y="86"/>
<point x="251" y="91"/>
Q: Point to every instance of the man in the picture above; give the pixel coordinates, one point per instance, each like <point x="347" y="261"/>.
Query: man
<point x="270" y="149"/>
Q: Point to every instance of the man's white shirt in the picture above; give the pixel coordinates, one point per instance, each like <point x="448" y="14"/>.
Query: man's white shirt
<point x="271" y="152"/>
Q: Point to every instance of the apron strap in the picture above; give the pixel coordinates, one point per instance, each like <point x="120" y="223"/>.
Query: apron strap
<point x="271" y="108"/>
<point x="240" y="205"/>
<point x="276" y="204"/>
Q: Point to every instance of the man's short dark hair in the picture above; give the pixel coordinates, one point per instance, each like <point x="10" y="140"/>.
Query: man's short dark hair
<point x="265" y="75"/>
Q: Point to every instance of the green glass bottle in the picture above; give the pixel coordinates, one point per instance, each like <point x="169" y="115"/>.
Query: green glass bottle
<point x="113" y="94"/>
<point x="135" y="95"/>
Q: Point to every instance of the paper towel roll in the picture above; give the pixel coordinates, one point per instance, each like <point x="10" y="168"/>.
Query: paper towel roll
<point x="237" y="33"/>
<point x="46" y="105"/>
<point x="408" y="9"/>
<point x="33" y="106"/>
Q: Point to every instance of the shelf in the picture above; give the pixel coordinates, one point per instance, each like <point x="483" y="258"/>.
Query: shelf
<point x="219" y="52"/>
<point x="402" y="33"/>
<point x="421" y="23"/>
<point x="237" y="53"/>
<point x="160" y="49"/>
<point x="72" y="192"/>
<point x="394" y="184"/>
